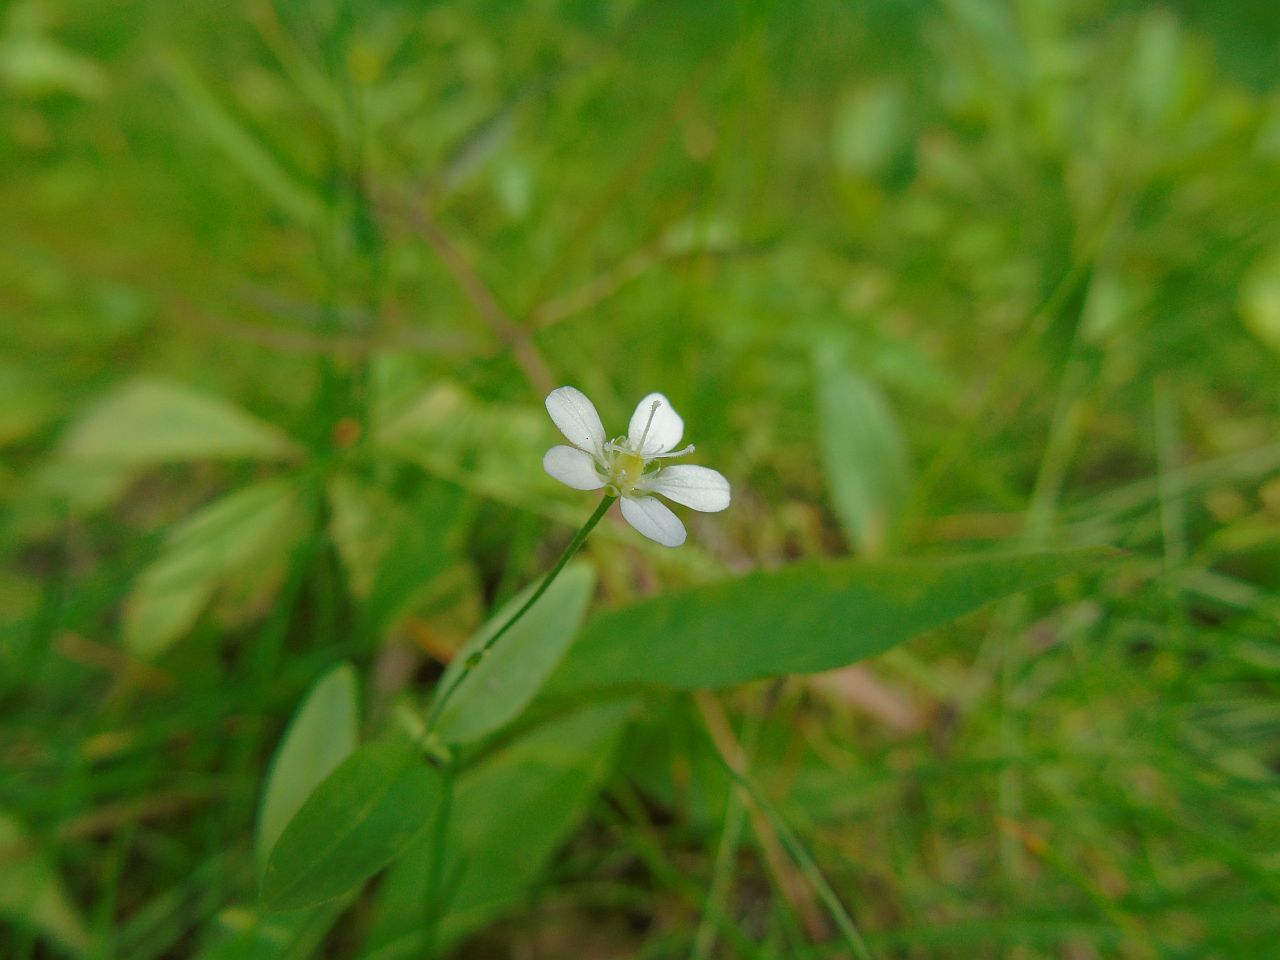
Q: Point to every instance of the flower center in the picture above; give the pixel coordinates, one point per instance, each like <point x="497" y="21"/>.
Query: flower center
<point x="627" y="469"/>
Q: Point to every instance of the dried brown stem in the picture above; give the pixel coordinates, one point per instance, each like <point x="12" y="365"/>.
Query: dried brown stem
<point x="515" y="337"/>
<point x="789" y="880"/>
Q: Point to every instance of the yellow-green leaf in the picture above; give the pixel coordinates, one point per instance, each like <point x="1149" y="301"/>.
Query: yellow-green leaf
<point x="255" y="525"/>
<point x="148" y="421"/>
<point x="510" y="675"/>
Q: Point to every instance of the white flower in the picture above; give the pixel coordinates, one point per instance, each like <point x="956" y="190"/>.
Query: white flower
<point x="630" y="466"/>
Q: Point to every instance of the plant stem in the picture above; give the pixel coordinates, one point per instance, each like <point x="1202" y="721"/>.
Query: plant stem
<point x="435" y="912"/>
<point x="475" y="659"/>
<point x="435" y="874"/>
<point x="796" y="848"/>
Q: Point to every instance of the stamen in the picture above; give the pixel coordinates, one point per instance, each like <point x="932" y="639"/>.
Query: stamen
<point x="673" y="453"/>
<point x="653" y="409"/>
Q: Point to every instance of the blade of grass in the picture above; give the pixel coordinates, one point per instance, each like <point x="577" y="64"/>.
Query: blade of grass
<point x="732" y="758"/>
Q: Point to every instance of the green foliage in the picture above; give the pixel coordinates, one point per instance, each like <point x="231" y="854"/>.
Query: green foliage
<point x="364" y="814"/>
<point x="31" y="891"/>
<point x="864" y="454"/>
<point x="148" y="422"/>
<point x="323" y="732"/>
<point x="509" y="675"/>
<point x="244" y="532"/>
<point x="956" y="288"/>
<point x="1260" y="299"/>
<point x="802" y="619"/>
<point x="512" y="812"/>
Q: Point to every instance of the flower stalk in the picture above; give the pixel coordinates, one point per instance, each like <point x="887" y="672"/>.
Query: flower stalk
<point x="477" y="657"/>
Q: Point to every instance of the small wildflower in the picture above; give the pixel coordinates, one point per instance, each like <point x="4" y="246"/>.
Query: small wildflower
<point x="631" y="467"/>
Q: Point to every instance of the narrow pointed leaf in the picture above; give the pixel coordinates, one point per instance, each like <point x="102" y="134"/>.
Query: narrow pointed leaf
<point x="274" y="936"/>
<point x="32" y="892"/>
<point x="241" y="145"/>
<point x="804" y="618"/>
<point x="365" y="814"/>
<point x="322" y="734"/>
<point x="253" y="526"/>
<point x="149" y="421"/>
<point x="863" y="452"/>
<point x="510" y="815"/>
<point x="514" y="670"/>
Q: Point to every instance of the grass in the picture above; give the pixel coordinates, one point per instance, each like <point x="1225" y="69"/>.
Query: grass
<point x="1032" y="233"/>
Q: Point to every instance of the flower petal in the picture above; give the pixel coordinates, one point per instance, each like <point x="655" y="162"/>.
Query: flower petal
<point x="664" y="430"/>
<point x="576" y="417"/>
<point x="699" y="487"/>
<point x="654" y="520"/>
<point x="573" y="467"/>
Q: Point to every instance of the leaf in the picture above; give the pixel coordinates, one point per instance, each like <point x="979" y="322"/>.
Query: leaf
<point x="368" y="811"/>
<point x="421" y="548"/>
<point x="1260" y="298"/>
<point x="32" y="892"/>
<point x="252" y="526"/>
<point x="276" y="936"/>
<point x="870" y="128"/>
<point x="1158" y="76"/>
<point x="241" y="146"/>
<point x="363" y="524"/>
<point x="512" y="672"/>
<point x="33" y="65"/>
<point x="511" y="813"/>
<point x="863" y="453"/>
<point x="26" y="404"/>
<point x="445" y="427"/>
<point x="148" y="421"/>
<point x="804" y="618"/>
<point x="80" y="487"/>
<point x="322" y="734"/>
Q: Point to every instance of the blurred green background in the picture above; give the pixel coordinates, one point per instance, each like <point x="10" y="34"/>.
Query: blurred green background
<point x="922" y="277"/>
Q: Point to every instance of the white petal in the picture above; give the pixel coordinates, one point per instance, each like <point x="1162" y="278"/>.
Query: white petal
<point x="665" y="429"/>
<point x="699" y="487"/>
<point x="654" y="520"/>
<point x="576" y="417"/>
<point x="573" y="467"/>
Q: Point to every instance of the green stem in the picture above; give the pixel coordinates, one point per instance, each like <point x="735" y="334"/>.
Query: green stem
<point x="475" y="659"/>
<point x="835" y="909"/>
<point x="435" y="911"/>
<point x="735" y="819"/>
<point x="439" y="844"/>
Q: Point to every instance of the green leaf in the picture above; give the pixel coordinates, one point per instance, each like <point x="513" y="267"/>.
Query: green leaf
<point x="148" y="421"/>
<point x="251" y="527"/>
<point x="445" y="427"/>
<point x="363" y="524"/>
<point x="863" y="453"/>
<point x="870" y="128"/>
<point x="322" y="734"/>
<point x="241" y="146"/>
<point x="804" y="618"/>
<point x="277" y="936"/>
<point x="32" y="892"/>
<point x="422" y="547"/>
<point x="513" y="671"/>
<point x="511" y="813"/>
<point x="368" y="811"/>
<point x="26" y="404"/>
<point x="1260" y="298"/>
